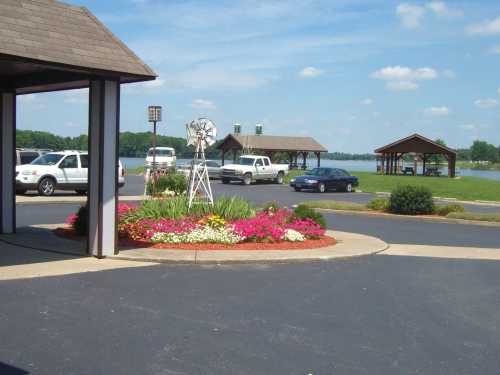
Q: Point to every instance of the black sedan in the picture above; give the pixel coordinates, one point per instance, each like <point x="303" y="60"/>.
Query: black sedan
<point x="323" y="179"/>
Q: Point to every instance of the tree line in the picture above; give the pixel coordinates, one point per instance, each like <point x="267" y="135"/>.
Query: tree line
<point x="480" y="151"/>
<point x="137" y="144"/>
<point x="131" y="144"/>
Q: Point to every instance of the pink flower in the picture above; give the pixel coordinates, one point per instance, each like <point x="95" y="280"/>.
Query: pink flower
<point x="70" y="220"/>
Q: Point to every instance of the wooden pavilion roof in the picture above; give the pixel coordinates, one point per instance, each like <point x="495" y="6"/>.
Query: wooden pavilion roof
<point x="416" y="143"/>
<point x="271" y="143"/>
<point x="47" y="45"/>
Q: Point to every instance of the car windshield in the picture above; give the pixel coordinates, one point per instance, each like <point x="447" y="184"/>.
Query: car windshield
<point x="47" y="159"/>
<point x="319" y="172"/>
<point x="160" y="153"/>
<point x="246" y="161"/>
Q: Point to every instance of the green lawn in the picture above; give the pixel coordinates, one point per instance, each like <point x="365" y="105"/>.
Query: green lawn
<point x="465" y="188"/>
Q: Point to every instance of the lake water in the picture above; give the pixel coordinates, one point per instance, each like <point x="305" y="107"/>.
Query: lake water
<point x="350" y="165"/>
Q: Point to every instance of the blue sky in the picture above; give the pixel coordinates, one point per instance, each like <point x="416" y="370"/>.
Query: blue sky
<point x="354" y="74"/>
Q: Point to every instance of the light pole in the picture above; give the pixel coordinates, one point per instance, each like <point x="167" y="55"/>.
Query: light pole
<point x="154" y="116"/>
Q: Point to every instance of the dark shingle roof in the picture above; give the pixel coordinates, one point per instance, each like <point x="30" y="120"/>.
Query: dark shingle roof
<point x="275" y="143"/>
<point x="53" y="32"/>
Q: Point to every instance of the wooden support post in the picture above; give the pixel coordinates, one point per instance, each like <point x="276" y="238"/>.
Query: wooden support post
<point x="104" y="129"/>
<point x="451" y="166"/>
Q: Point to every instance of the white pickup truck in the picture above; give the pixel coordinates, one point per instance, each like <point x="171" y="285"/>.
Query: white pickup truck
<point x="252" y="168"/>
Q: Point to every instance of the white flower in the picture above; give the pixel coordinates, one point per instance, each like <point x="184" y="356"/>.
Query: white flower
<point x="204" y="234"/>
<point x="293" y="236"/>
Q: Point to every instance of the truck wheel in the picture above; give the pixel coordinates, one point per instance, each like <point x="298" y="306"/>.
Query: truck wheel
<point x="280" y="179"/>
<point x="46" y="187"/>
<point x="321" y="187"/>
<point x="298" y="189"/>
<point x="247" y="179"/>
<point x="348" y="188"/>
<point x="225" y="181"/>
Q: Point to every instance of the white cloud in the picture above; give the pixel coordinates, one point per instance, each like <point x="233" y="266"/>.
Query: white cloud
<point x="402" y="78"/>
<point x="32" y="101"/>
<point x="80" y="96"/>
<point x="310" y="72"/>
<point x="403" y="73"/>
<point x="203" y="104"/>
<point x="410" y="15"/>
<point x="152" y="84"/>
<point x="437" y="111"/>
<point x="143" y="87"/>
<point x="213" y="77"/>
<point x="486" y="103"/>
<point x="489" y="27"/>
<point x="495" y="49"/>
<point x="401" y="86"/>
<point x="367" y="101"/>
<point x="474" y="126"/>
<point x="450" y="74"/>
<point x="28" y="98"/>
<point x="468" y="126"/>
<point x="442" y="10"/>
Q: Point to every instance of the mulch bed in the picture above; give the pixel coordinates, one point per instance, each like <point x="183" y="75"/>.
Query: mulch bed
<point x="324" y="241"/>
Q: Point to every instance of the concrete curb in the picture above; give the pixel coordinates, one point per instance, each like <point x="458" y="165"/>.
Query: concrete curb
<point x="27" y="200"/>
<point x="443" y="252"/>
<point x="348" y="245"/>
<point x="41" y="238"/>
<point x="445" y="220"/>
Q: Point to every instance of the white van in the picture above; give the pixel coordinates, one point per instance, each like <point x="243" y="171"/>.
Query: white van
<point x="165" y="158"/>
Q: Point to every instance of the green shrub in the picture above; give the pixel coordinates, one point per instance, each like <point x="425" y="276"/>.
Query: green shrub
<point x="172" y="181"/>
<point x="379" y="204"/>
<point x="411" y="200"/>
<point x="172" y="208"/>
<point x="449" y="208"/>
<point x="303" y="212"/>
<point x="233" y="208"/>
<point x="81" y="222"/>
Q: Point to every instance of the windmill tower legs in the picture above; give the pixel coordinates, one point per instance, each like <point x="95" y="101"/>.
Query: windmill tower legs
<point x="199" y="190"/>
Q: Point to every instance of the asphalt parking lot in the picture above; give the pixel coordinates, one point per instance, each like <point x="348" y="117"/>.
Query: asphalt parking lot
<point x="370" y="315"/>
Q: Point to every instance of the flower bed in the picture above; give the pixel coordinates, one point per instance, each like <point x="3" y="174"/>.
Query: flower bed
<point x="277" y="228"/>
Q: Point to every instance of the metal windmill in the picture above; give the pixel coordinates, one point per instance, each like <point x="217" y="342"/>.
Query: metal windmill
<point x="200" y="133"/>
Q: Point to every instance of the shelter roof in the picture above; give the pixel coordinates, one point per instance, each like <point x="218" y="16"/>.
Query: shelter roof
<point x="48" y="45"/>
<point x="271" y="143"/>
<point x="415" y="143"/>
